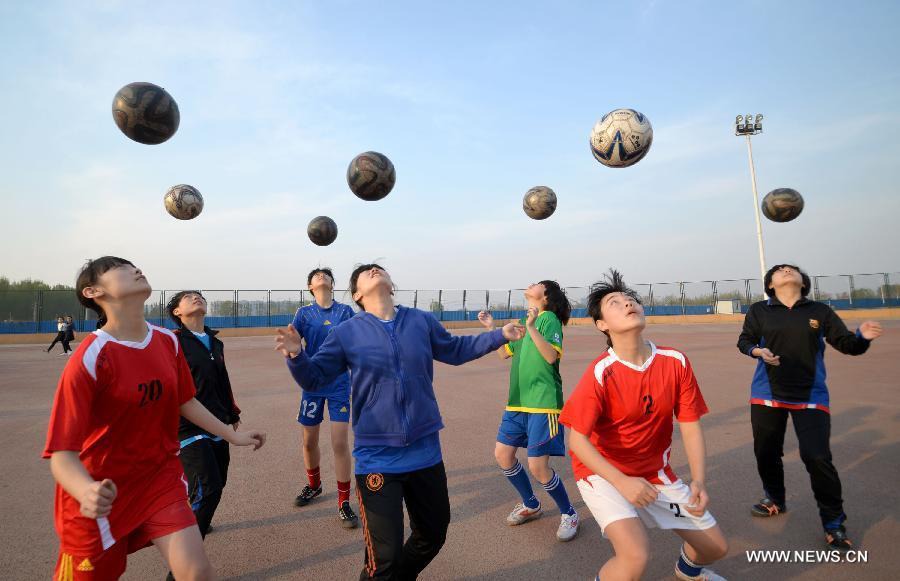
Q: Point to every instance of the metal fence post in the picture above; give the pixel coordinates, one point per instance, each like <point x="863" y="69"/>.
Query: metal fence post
<point x="441" y="304"/>
<point x="465" y="311"/>
<point x="852" y="290"/>
<point x="487" y="300"/>
<point x="508" y="302"/>
<point x="715" y="296"/>
<point x="268" y="308"/>
<point x="815" y="288"/>
<point x="38" y="310"/>
<point x="416" y="299"/>
<point x="885" y="287"/>
<point x="234" y="309"/>
<point x="681" y="288"/>
<point x="650" y="292"/>
<point x="747" y="291"/>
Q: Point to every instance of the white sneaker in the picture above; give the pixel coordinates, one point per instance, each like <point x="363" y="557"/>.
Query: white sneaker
<point x="705" y="575"/>
<point x="568" y="527"/>
<point x="521" y="514"/>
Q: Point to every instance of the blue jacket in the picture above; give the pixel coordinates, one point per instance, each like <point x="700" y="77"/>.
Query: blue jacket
<point x="390" y="375"/>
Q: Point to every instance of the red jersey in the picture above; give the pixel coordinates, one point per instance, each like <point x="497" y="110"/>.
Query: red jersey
<point x="626" y="411"/>
<point x="117" y="405"/>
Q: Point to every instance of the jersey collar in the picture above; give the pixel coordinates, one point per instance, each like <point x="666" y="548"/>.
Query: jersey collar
<point x="639" y="368"/>
<point x="133" y="344"/>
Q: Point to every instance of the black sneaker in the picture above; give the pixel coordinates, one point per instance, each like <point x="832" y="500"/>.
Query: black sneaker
<point x="306" y="495"/>
<point x="348" y="518"/>
<point x="767" y="507"/>
<point x="837" y="539"/>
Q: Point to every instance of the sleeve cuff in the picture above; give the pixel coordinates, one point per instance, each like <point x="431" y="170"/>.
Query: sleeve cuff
<point x="859" y="336"/>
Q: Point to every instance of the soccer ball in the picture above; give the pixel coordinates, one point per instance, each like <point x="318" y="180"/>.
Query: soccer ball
<point x="621" y="138"/>
<point x="184" y="202"/>
<point x="146" y="113"/>
<point x="371" y="176"/>
<point x="322" y="230"/>
<point x="782" y="205"/>
<point x="539" y="203"/>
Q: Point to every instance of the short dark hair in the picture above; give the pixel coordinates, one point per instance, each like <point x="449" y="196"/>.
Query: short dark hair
<point x="557" y="301"/>
<point x="89" y="274"/>
<point x="804" y="288"/>
<point x="176" y="300"/>
<point x="354" y="277"/>
<point x="611" y="283"/>
<point x="323" y="270"/>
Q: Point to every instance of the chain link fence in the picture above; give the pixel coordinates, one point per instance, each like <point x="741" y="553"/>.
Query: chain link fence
<point x="36" y="311"/>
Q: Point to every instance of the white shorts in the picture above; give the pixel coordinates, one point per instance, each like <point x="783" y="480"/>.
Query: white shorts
<point x="668" y="511"/>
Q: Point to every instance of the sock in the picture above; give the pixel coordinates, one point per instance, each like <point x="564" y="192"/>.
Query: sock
<point x="557" y="491"/>
<point x="519" y="479"/>
<point x="343" y="492"/>
<point x="313" y="475"/>
<point x="687" y="566"/>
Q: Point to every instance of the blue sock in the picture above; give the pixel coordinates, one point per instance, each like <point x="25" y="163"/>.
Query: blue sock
<point x="557" y="491"/>
<point x="519" y="479"/>
<point x="687" y="566"/>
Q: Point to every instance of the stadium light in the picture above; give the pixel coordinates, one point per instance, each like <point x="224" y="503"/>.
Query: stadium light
<point x="748" y="126"/>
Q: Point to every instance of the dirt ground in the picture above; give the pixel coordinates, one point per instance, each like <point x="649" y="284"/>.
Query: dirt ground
<point x="259" y="534"/>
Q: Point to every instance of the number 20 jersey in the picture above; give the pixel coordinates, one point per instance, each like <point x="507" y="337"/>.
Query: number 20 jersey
<point x="117" y="405"/>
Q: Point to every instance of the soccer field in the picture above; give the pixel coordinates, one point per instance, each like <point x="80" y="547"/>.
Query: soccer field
<point x="259" y="534"/>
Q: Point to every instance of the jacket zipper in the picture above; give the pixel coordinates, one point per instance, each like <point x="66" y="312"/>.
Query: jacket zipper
<point x="396" y="349"/>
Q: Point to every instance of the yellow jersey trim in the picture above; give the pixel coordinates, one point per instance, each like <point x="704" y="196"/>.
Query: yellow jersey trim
<point x="508" y="350"/>
<point x="533" y="410"/>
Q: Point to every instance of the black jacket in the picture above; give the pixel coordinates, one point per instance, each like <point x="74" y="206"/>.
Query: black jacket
<point x="210" y="380"/>
<point x="797" y="335"/>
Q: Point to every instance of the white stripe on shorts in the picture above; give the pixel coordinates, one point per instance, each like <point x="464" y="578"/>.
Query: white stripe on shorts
<point x="105" y="533"/>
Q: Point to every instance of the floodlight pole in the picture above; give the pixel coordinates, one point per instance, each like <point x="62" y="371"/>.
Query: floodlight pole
<point x="759" y="236"/>
<point x="747" y="127"/>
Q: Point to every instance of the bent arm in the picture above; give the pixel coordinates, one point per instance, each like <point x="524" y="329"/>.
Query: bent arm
<point x="694" y="448"/>
<point x="750" y="334"/>
<point x="456" y="350"/>
<point x="547" y="351"/>
<point x="70" y="473"/>
<point x="194" y="411"/>
<point x="317" y="372"/>
<point x="582" y="447"/>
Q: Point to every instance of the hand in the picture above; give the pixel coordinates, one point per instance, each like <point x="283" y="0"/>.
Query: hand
<point x="253" y="438"/>
<point x="531" y="316"/>
<point x="638" y="491"/>
<point x="486" y="319"/>
<point x="288" y="341"/>
<point x="96" y="500"/>
<point x="767" y="356"/>
<point x="513" y="331"/>
<point x="871" y="330"/>
<point x="236" y="424"/>
<point x="699" y="499"/>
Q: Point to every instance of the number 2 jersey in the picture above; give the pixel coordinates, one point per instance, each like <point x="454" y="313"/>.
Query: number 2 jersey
<point x="117" y="405"/>
<point x="627" y="411"/>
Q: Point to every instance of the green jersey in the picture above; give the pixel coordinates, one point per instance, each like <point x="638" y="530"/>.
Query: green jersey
<point x="535" y="386"/>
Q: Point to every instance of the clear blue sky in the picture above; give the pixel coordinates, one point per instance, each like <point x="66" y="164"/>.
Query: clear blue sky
<point x="475" y="102"/>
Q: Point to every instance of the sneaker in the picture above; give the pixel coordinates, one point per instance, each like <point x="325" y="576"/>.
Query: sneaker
<point x="837" y="539"/>
<point x="705" y="575"/>
<point x="767" y="507"/>
<point x="568" y="527"/>
<point x="306" y="495"/>
<point x="521" y="514"/>
<point x="349" y="520"/>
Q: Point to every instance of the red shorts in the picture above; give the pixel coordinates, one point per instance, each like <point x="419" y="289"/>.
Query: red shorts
<point x="110" y="564"/>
